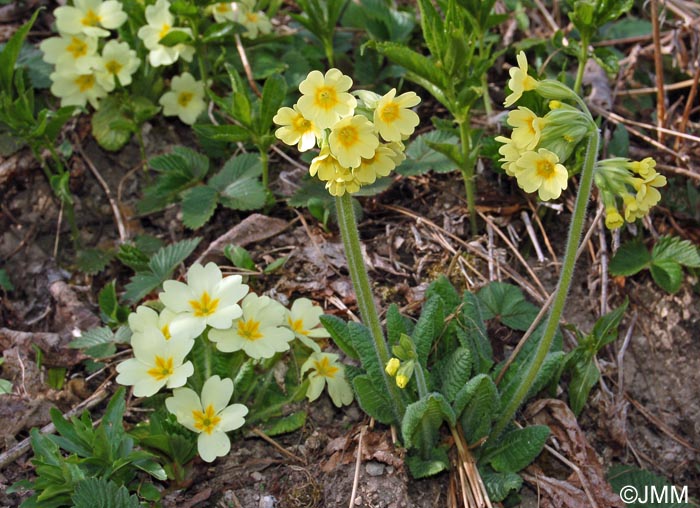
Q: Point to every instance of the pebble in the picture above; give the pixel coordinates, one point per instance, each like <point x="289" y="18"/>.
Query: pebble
<point x="374" y="468"/>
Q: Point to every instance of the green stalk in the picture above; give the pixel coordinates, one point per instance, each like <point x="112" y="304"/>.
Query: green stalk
<point x="582" y="59"/>
<point x="264" y="158"/>
<point x="363" y="292"/>
<point x="468" y="171"/>
<point x="567" y="272"/>
<point x="260" y="415"/>
<point x="207" y="355"/>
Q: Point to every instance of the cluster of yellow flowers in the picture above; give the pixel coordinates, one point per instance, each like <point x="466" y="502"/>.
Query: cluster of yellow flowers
<point x="358" y="142"/>
<point x="538" y="147"/>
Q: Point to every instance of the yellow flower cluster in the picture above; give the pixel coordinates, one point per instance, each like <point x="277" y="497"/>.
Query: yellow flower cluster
<point x="635" y="183"/>
<point x="357" y="144"/>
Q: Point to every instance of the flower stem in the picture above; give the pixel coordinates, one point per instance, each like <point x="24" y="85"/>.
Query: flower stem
<point x="264" y="164"/>
<point x="363" y="292"/>
<point x="567" y="271"/>
<point x="468" y="171"/>
<point x="582" y="59"/>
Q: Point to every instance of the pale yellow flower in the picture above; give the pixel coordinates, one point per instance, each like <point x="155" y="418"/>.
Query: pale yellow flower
<point x="325" y="99"/>
<point x="645" y="168"/>
<point x="519" y="81"/>
<point x="160" y="23"/>
<point x="74" y="54"/>
<point x="353" y="139"/>
<point x="75" y="89"/>
<point x="325" y="165"/>
<point x="90" y="17"/>
<point x="632" y="210"/>
<point x="343" y="182"/>
<point x="381" y="164"/>
<point x="327" y="371"/>
<point x="540" y="171"/>
<point x="255" y="23"/>
<point x="402" y="380"/>
<point x="295" y="129"/>
<point x="393" y="119"/>
<point x="527" y="128"/>
<point x="392" y="366"/>
<point x="185" y="98"/>
<point x="223" y="12"/>
<point x="118" y="62"/>
<point x="511" y="153"/>
<point x="613" y="219"/>
<point x="647" y="193"/>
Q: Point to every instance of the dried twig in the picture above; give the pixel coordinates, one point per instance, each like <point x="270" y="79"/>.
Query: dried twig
<point x="246" y="65"/>
<point x="659" y="70"/>
<point x="277" y="446"/>
<point x="533" y="237"/>
<point x="358" y="462"/>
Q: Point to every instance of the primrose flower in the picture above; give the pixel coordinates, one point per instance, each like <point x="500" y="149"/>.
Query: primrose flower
<point x="118" y="62"/>
<point x="160" y="23"/>
<point x="519" y="81"/>
<point x="209" y="415"/>
<point x="303" y="319"/>
<point x="185" y="98"/>
<point x="223" y="12"/>
<point x="295" y="129"/>
<point x="527" y="128"/>
<point x="72" y="54"/>
<point x="381" y="164"/>
<point x="90" y="17"/>
<point x="325" y="99"/>
<point x="325" y="370"/>
<point x="255" y="23"/>
<point x="208" y="299"/>
<point x="259" y="332"/>
<point x="157" y="362"/>
<point x="393" y="119"/>
<point x="76" y="89"/>
<point x="353" y="139"/>
<point x="145" y="320"/>
<point x="540" y="171"/>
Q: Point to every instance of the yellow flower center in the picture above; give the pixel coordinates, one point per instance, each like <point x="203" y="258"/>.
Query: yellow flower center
<point x="165" y="330"/>
<point x="85" y="82"/>
<point x="348" y="136"/>
<point x="164" y="31"/>
<point x="324" y="368"/>
<point x="205" y="306"/>
<point x="223" y="7"/>
<point x="206" y="420"/>
<point x="298" y="326"/>
<point x="77" y="48"/>
<point x="545" y="169"/>
<point x="326" y="97"/>
<point x="91" y="19"/>
<point x="163" y="368"/>
<point x="249" y="329"/>
<point x="301" y="125"/>
<point x="389" y="113"/>
<point x="113" y="67"/>
<point x="183" y="99"/>
<point x="252" y="17"/>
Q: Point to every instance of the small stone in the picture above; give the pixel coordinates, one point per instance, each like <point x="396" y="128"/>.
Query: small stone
<point x="267" y="502"/>
<point x="256" y="476"/>
<point x="358" y="501"/>
<point x="374" y="468"/>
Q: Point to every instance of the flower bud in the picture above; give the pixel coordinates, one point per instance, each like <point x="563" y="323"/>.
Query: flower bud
<point x="392" y="366"/>
<point x="552" y="89"/>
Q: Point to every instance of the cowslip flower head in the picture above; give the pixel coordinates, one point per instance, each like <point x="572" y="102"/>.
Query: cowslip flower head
<point x="295" y="129"/>
<point x="381" y="164"/>
<point x="160" y="23"/>
<point x="540" y="171"/>
<point x="647" y="193"/>
<point x="209" y="415"/>
<point x="327" y="371"/>
<point x="259" y="332"/>
<point x="393" y="118"/>
<point x="527" y="128"/>
<point x="208" y="299"/>
<point x="520" y="81"/>
<point x="303" y="319"/>
<point x="76" y="89"/>
<point x="93" y="18"/>
<point x="157" y="362"/>
<point x="325" y="98"/>
<point x="185" y="98"/>
<point x="392" y="366"/>
<point x="645" y="168"/>
<point x="344" y="182"/>
<point x="72" y="54"/>
<point x="613" y="219"/>
<point x="353" y="139"/>
<point x="118" y="62"/>
<point x="325" y="165"/>
<point x="511" y="153"/>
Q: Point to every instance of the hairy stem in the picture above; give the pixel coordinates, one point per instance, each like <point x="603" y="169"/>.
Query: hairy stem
<point x="468" y="172"/>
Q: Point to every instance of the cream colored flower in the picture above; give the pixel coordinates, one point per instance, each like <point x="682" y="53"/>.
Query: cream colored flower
<point x="146" y="321"/>
<point x="519" y="81"/>
<point x="540" y="171"/>
<point x="255" y="23"/>
<point x="645" y="168"/>
<point x="647" y="193"/>
<point x="325" y="99"/>
<point x="185" y="98"/>
<point x="160" y="23"/>
<point x="344" y="182"/>
<point x="90" y="17"/>
<point x="325" y="165"/>
<point x="295" y="129"/>
<point x="326" y="370"/>
<point x="209" y="415"/>
<point x="71" y="54"/>
<point x="118" y="62"/>
<point x="381" y="164"/>
<point x="223" y="12"/>
<point x="303" y="319"/>
<point x="353" y="139"/>
<point x="393" y="119"/>
<point x="259" y="332"/>
<point x="157" y="362"/>
<point x="527" y="128"/>
<point x="510" y="153"/>
<point x="76" y="89"/>
<point x="208" y="299"/>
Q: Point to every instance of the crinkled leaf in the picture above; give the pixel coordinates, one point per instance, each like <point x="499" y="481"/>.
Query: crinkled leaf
<point x="198" y="205"/>
<point x="372" y="400"/>
<point x="683" y="252"/>
<point x="428" y="327"/>
<point x="361" y="340"/>
<point x="396" y="324"/>
<point x="455" y="373"/>
<point x="667" y="273"/>
<point x="422" y="468"/>
<point x="228" y="133"/>
<point x="481" y="407"/>
<point x="286" y="424"/>
<point x="499" y="485"/>
<point x="103" y="493"/>
<point x="475" y="338"/>
<point x="421" y="158"/>
<point x="338" y="329"/>
<point x="516" y="449"/>
<point x="621" y="476"/>
<point x="110" y="127"/>
<point x="629" y="259"/>
<point x="422" y="420"/>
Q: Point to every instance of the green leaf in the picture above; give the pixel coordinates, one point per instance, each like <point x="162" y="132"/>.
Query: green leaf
<point x="422" y="420"/>
<point x="451" y="151"/>
<point x="229" y="133"/>
<point x="164" y="262"/>
<point x="475" y="337"/>
<point x="273" y="94"/>
<point x="198" y="205"/>
<point x="362" y="342"/>
<point x="103" y="493"/>
<point x="422" y="468"/>
<point x="9" y="54"/>
<point x="481" y="403"/>
<point x="443" y="288"/>
<point x="92" y="337"/>
<point x="140" y="285"/>
<point x="499" y="485"/>
<point x="605" y="328"/>
<point x="110" y="127"/>
<point x="421" y="158"/>
<point x="621" y="476"/>
<point x="673" y="248"/>
<point x="414" y="62"/>
<point x="629" y="259"/>
<point x="93" y="261"/>
<point x="396" y="324"/>
<point x="5" y="387"/>
<point x="372" y="400"/>
<point x="507" y="303"/>
<point x="239" y="256"/>
<point x="428" y="327"/>
<point x="286" y="424"/>
<point x="516" y="449"/>
<point x="455" y="373"/>
<point x="5" y="282"/>
<point x="433" y="28"/>
<point x="338" y="329"/>
<point x="175" y="37"/>
<point x="238" y="183"/>
<point x="667" y="273"/>
<point x="584" y="377"/>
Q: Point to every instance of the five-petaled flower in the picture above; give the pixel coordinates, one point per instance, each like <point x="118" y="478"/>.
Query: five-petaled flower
<point x="93" y="18"/>
<point x="353" y="139"/>
<point x="325" y="98"/>
<point x="118" y="63"/>
<point x="77" y="89"/>
<point x="295" y="129"/>
<point x="160" y="23"/>
<point x="185" y="98"/>
<point x="392" y="116"/>
<point x="303" y="319"/>
<point x="209" y="415"/>
<point x="520" y="81"/>
<point x="540" y="171"/>
<point x="326" y="370"/>
<point x="527" y="128"/>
